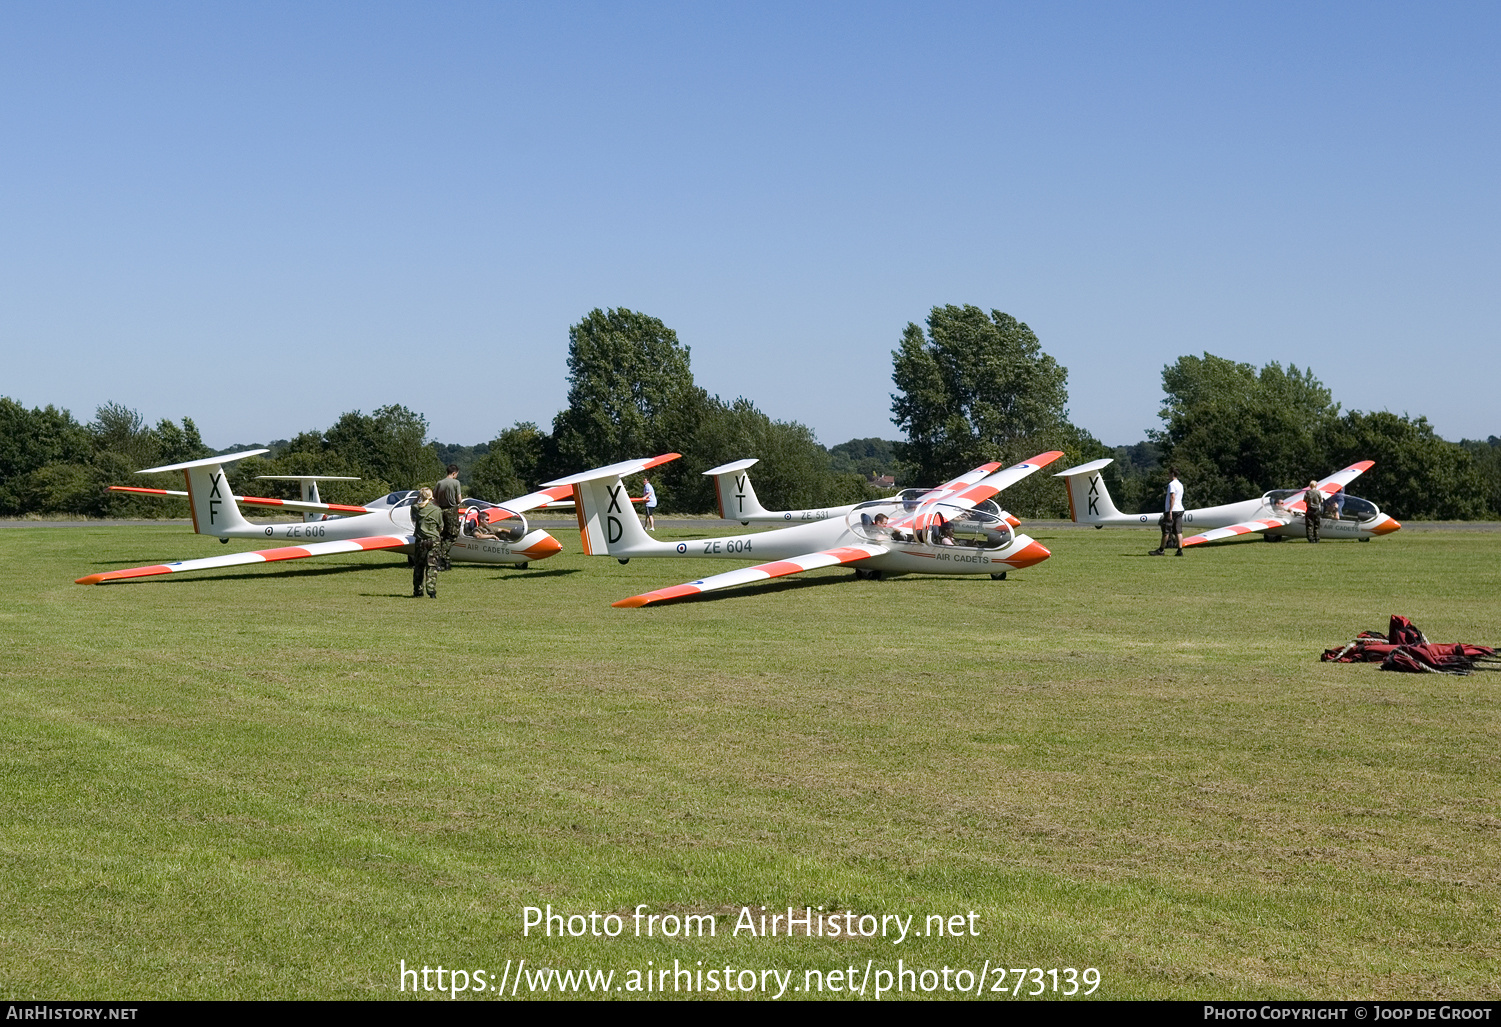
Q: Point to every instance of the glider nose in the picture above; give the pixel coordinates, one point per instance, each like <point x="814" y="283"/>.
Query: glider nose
<point x="1387" y="526"/>
<point x="543" y="548"/>
<point x="1034" y="553"/>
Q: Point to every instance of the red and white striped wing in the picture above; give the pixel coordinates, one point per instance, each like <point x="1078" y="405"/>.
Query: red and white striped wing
<point x="353" y="545"/>
<point x="1243" y="528"/>
<point x="987" y="487"/>
<point x="976" y="492"/>
<point x="958" y="484"/>
<point x="1339" y="479"/>
<point x="745" y="575"/>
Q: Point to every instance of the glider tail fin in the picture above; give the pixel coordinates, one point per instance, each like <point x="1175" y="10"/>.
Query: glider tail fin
<point x="736" y="495"/>
<point x="1088" y="499"/>
<point x="209" y="495"/>
<point x="607" y="521"/>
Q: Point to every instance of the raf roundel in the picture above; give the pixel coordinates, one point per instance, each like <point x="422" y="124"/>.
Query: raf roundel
<point x="682" y="547"/>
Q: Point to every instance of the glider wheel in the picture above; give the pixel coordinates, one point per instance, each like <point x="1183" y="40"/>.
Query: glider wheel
<point x="625" y="561"/>
<point x="998" y="577"/>
<point x="224" y="541"/>
<point x="1366" y="539"/>
<point x="522" y="566"/>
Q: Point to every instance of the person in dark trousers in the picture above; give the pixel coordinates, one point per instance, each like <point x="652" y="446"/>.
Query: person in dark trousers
<point x="446" y="493"/>
<point x="1172" y="516"/>
<point x="427" y="526"/>
<point x="1313" y="505"/>
<point x="651" y="504"/>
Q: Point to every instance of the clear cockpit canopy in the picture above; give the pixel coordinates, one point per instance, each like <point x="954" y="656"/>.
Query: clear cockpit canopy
<point x="392" y="500"/>
<point x="934" y="524"/>
<point x="1340" y="506"/>
<point x="482" y="519"/>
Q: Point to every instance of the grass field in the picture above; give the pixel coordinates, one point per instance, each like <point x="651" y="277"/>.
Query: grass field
<point x="283" y="782"/>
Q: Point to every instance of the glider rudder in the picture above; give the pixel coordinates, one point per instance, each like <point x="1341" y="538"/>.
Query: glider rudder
<point x="209" y="497"/>
<point x="733" y="489"/>
<point x="1088" y="499"/>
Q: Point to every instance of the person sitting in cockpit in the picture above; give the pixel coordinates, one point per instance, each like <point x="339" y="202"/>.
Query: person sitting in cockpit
<point x="476" y="526"/>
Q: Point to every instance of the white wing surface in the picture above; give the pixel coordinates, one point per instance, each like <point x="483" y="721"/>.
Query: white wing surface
<point x="1339" y="479"/>
<point x="775" y="569"/>
<point x="1243" y="528"/>
<point x="353" y="545"/>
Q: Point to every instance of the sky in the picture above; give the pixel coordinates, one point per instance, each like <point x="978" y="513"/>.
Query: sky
<point x="262" y="215"/>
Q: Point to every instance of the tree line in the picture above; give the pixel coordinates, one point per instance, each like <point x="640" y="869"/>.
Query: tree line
<point x="971" y="386"/>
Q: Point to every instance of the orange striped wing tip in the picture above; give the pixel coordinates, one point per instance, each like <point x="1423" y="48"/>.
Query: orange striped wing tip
<point x="134" y="572"/>
<point x="1033" y="554"/>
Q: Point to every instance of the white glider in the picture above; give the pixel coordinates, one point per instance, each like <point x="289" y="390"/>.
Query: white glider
<point x="957" y="531"/>
<point x="385" y="523"/>
<point x="1275" y="515"/>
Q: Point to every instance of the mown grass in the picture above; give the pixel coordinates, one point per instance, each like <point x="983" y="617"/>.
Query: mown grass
<point x="281" y="782"/>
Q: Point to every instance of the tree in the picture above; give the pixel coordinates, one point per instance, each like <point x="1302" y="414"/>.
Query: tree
<point x="870" y="457"/>
<point x="979" y="388"/>
<point x="1234" y="432"/>
<point x="512" y="465"/>
<point x="1417" y="474"/>
<point x="390" y="444"/>
<point x="975" y="388"/>
<point x="630" y="391"/>
<point x="794" y="471"/>
<point x="31" y="440"/>
<point x="1487" y="457"/>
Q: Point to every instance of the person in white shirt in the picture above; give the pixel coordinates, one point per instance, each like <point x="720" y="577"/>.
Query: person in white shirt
<point x="651" y="504"/>
<point x="1172" y="516"/>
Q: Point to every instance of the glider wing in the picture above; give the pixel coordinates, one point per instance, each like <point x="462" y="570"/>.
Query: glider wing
<point x="1243" y="528"/>
<point x="288" y="504"/>
<point x="989" y="486"/>
<point x="1339" y="479"/>
<point x="353" y="545"/>
<point x="745" y="575"/>
<point x="562" y="489"/>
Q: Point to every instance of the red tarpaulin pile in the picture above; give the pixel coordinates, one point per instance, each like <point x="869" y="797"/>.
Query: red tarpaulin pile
<point x="1404" y="647"/>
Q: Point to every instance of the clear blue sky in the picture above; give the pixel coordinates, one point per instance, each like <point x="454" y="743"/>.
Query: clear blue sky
<point x="261" y="215"/>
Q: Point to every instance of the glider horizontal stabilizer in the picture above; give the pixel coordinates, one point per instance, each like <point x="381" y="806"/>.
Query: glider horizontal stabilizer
<point x="287" y="504"/>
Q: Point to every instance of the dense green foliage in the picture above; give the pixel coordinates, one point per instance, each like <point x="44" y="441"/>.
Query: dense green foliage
<point x="979" y="388"/>
<point x="387" y="450"/>
<point x="49" y="463"/>
<point x="630" y="391"/>
<point x="1234" y="432"/>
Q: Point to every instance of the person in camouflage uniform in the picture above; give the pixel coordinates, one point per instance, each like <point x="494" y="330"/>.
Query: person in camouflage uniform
<point x="427" y="526"/>
<point x="447" y="494"/>
<point x="1313" y="504"/>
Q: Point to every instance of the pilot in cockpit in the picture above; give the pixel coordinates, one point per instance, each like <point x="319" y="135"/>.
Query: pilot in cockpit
<point x="477" y="526"/>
